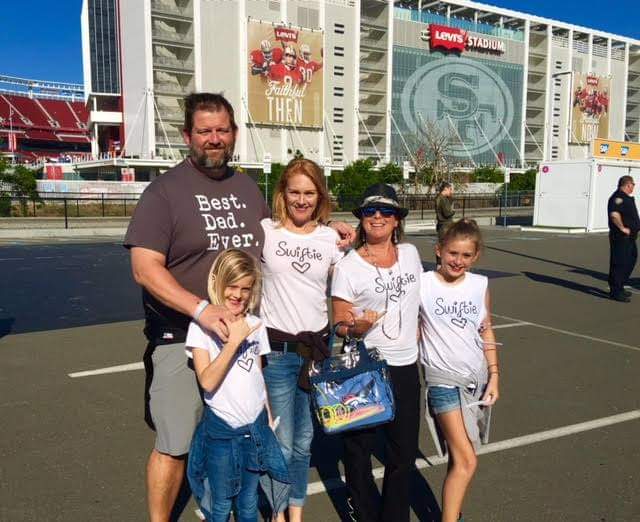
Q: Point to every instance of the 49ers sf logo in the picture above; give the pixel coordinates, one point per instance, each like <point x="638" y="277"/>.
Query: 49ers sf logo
<point x="464" y="97"/>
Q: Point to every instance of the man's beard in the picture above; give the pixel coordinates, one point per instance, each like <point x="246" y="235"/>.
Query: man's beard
<point x="205" y="162"/>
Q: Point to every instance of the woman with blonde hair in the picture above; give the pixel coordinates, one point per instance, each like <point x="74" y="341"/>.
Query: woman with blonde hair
<point x="297" y="259"/>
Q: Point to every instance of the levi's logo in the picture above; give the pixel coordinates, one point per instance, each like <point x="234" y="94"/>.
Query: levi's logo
<point x="286" y="35"/>
<point x="448" y="37"/>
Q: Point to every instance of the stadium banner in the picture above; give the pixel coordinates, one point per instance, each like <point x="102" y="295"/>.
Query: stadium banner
<point x="620" y="150"/>
<point x="590" y="108"/>
<point x="285" y="80"/>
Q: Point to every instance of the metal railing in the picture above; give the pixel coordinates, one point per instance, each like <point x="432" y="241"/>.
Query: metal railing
<point x="185" y="38"/>
<point x="466" y="205"/>
<point x="69" y="205"/>
<point x="162" y="7"/>
<point x="173" y="62"/>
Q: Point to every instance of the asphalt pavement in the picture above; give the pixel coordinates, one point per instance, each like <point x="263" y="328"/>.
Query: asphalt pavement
<point x="564" y="443"/>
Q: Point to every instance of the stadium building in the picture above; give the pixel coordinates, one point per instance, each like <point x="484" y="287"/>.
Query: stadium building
<point x="42" y="121"/>
<point x="340" y="80"/>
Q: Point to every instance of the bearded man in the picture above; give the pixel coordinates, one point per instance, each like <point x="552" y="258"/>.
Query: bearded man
<point x="184" y="219"/>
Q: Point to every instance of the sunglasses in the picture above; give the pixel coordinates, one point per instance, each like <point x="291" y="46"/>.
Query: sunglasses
<point x="384" y="211"/>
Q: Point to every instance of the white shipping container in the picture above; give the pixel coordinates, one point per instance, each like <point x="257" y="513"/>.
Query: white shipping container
<point x="574" y="194"/>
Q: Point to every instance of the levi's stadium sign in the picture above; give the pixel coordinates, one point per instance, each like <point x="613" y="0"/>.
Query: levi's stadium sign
<point x="454" y="39"/>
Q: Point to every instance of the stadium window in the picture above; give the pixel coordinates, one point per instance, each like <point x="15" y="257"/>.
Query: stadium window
<point x="338" y="51"/>
<point x="338" y="28"/>
<point x="338" y="91"/>
<point x="338" y="70"/>
<point x="338" y="115"/>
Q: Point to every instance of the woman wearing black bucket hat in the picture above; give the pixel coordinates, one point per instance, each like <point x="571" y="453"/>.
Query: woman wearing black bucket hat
<point x="375" y="291"/>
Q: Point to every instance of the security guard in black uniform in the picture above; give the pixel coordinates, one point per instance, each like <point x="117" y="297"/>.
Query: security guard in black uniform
<point x="624" y="224"/>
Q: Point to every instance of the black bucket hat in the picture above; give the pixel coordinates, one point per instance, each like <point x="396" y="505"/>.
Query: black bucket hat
<point x="380" y="195"/>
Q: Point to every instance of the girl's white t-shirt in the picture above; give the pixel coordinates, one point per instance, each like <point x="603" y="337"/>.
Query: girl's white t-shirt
<point x="295" y="273"/>
<point x="396" y="289"/>
<point x="241" y="396"/>
<point x="450" y="316"/>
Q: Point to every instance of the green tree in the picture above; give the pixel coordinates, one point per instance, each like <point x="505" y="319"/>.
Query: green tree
<point x="23" y="184"/>
<point x="488" y="175"/>
<point x="349" y="184"/>
<point x="524" y="181"/>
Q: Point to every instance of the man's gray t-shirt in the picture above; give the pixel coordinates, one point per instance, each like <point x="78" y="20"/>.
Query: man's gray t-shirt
<point x="191" y="218"/>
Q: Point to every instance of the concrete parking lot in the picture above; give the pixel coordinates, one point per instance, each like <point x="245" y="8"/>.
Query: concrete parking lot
<point x="564" y="436"/>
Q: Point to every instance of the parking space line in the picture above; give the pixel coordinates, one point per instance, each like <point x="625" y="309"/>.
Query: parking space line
<point x="336" y="483"/>
<point x="110" y="369"/>
<point x="573" y="334"/>
<point x="509" y="325"/>
<point x="140" y="366"/>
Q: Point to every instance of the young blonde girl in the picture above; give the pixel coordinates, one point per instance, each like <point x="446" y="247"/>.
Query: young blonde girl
<point x="233" y="445"/>
<point x="458" y="351"/>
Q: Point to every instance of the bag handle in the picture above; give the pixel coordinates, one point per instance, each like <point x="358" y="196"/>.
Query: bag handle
<point x="332" y="335"/>
<point x="360" y="346"/>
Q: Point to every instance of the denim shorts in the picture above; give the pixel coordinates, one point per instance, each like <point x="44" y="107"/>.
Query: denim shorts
<point x="442" y="399"/>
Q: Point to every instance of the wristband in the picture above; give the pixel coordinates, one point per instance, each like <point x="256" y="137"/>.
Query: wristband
<point x="199" y="309"/>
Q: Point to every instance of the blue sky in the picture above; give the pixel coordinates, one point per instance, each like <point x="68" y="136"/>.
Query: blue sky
<point x="40" y="39"/>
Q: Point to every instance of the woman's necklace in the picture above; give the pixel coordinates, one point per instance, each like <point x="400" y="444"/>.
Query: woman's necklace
<point x="373" y="261"/>
<point x="373" y="258"/>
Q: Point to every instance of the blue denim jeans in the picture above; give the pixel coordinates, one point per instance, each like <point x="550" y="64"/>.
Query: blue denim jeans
<point x="443" y="399"/>
<point x="295" y="431"/>
<point x="245" y="503"/>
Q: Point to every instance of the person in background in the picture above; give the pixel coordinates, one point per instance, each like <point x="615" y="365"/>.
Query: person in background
<point x="624" y="225"/>
<point x="444" y="210"/>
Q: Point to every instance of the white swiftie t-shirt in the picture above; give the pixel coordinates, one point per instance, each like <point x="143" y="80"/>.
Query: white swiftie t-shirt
<point x="295" y="271"/>
<point x="396" y="289"/>
<point x="450" y="316"/>
<point x="241" y="396"/>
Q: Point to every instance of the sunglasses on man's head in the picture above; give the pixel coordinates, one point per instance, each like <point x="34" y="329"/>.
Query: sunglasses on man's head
<point x="384" y="211"/>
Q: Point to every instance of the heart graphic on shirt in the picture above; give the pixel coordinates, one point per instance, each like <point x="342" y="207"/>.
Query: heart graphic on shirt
<point x="245" y="364"/>
<point x="394" y="298"/>
<point x="301" y="267"/>
<point x="459" y="322"/>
